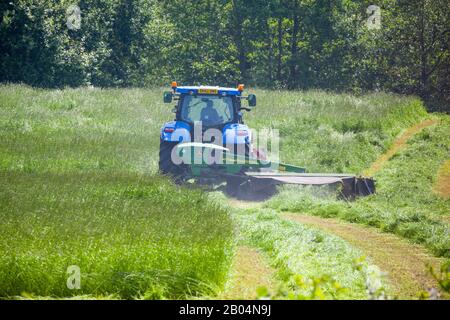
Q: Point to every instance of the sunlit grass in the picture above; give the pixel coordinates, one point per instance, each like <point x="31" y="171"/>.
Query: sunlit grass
<point x="404" y="203"/>
<point x="298" y="250"/>
<point x="78" y="188"/>
<point x="327" y="132"/>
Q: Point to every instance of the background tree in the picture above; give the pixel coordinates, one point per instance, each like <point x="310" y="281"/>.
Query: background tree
<point x="296" y="44"/>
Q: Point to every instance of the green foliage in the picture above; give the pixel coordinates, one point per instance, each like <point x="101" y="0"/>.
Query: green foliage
<point x="273" y="44"/>
<point x="442" y="277"/>
<point x="314" y="289"/>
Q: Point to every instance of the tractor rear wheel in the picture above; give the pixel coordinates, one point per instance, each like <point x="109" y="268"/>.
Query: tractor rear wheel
<point x="166" y="165"/>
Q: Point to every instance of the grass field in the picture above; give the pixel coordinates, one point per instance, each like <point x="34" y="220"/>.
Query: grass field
<point x="79" y="187"/>
<point x="404" y="204"/>
<point x="297" y="250"/>
<point x="327" y="132"/>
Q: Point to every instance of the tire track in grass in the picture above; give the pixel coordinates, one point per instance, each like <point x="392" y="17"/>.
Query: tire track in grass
<point x="398" y="144"/>
<point x="250" y="271"/>
<point x="244" y="273"/>
<point x="404" y="262"/>
<point x="442" y="186"/>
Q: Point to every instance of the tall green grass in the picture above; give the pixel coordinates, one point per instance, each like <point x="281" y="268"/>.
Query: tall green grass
<point x="77" y="188"/>
<point x="327" y="132"/>
<point x="131" y="235"/>
<point x="80" y="129"/>
<point x="323" y="131"/>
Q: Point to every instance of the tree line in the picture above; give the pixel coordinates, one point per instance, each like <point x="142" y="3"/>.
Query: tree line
<point x="291" y="44"/>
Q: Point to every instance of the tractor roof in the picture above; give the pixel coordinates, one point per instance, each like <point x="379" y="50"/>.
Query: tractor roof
<point x="208" y="90"/>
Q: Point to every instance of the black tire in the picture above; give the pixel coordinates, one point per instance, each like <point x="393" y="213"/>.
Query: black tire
<point x="166" y="165"/>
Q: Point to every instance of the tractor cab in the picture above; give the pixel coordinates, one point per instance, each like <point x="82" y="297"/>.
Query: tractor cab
<point x="204" y="115"/>
<point x="214" y="107"/>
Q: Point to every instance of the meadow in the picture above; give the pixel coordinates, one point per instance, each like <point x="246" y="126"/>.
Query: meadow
<point x="79" y="186"/>
<point x="405" y="203"/>
<point x="328" y="132"/>
<point x="77" y="189"/>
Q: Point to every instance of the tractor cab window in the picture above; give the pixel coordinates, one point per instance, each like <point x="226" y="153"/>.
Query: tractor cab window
<point x="211" y="110"/>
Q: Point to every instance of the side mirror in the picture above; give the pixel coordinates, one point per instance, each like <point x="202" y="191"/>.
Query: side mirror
<point x="251" y="100"/>
<point x="167" y="97"/>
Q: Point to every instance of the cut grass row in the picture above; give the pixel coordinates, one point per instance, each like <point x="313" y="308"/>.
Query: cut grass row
<point x="314" y="257"/>
<point x="404" y="203"/>
<point x="406" y="265"/>
<point x="309" y="263"/>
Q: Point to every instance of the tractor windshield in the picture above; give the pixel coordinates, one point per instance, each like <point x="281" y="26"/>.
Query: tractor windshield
<point x="211" y="110"/>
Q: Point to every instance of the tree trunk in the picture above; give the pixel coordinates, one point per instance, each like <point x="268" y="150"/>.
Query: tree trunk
<point x="269" y="52"/>
<point x="238" y="39"/>
<point x="295" y="29"/>
<point x="280" y="46"/>
<point x="423" y="54"/>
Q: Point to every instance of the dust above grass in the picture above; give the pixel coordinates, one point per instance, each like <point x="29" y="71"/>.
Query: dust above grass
<point x="442" y="184"/>
<point x="398" y="145"/>
<point x="405" y="263"/>
<point x="250" y="271"/>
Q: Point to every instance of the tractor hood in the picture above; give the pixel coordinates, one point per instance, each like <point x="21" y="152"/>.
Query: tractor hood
<point x="179" y="131"/>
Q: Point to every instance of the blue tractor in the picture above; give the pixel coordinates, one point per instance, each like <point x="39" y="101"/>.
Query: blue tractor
<point x="209" y="142"/>
<point x="203" y="108"/>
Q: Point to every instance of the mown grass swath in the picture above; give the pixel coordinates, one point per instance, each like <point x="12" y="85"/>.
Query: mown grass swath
<point x="300" y="251"/>
<point x="404" y="203"/>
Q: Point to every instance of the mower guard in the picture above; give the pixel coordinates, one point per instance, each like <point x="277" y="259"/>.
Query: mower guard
<point x="258" y="174"/>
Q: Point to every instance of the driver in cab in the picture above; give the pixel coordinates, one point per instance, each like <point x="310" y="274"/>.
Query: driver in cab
<point x="209" y="115"/>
